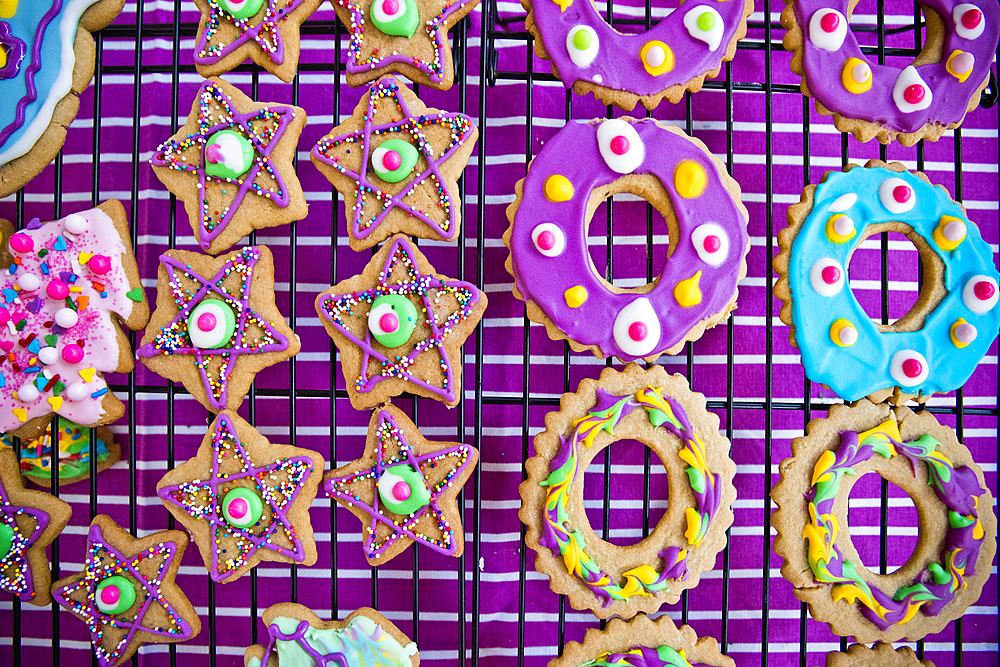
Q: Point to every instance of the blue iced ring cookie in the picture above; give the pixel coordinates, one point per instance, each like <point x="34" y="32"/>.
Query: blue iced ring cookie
<point x="841" y="346"/>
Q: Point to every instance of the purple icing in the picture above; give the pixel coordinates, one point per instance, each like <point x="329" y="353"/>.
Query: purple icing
<point x="321" y="660"/>
<point x="31" y="93"/>
<point x="950" y="97"/>
<point x="261" y="33"/>
<point x="17" y="557"/>
<point x="618" y="64"/>
<point x="35" y="223"/>
<point x="16" y="49"/>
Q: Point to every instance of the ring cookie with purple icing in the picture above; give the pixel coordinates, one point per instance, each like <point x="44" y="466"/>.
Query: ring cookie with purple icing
<point x="642" y="642"/>
<point x="880" y="655"/>
<point x="244" y="500"/>
<point x="920" y="101"/>
<point x="231" y="165"/>
<point x="73" y="453"/>
<point x="266" y="31"/>
<point x="297" y="637"/>
<point x="675" y="56"/>
<point x="47" y="57"/>
<point x="29" y="522"/>
<point x="400" y="326"/>
<point x="957" y="532"/>
<point x="404" y="488"/>
<point x="397" y="164"/>
<point x="68" y="287"/>
<point x="660" y="411"/>
<point x="216" y="324"/>
<point x="579" y="167"/>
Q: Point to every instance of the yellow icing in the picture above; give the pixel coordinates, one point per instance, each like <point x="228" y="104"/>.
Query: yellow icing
<point x="959" y="344"/>
<point x="56" y="402"/>
<point x="961" y="77"/>
<point x="668" y="59"/>
<point x="7" y="10"/>
<point x="889" y="427"/>
<point x="690" y="179"/>
<point x="938" y="234"/>
<point x="687" y="291"/>
<point x="563" y="4"/>
<point x="558" y="188"/>
<point x="835" y="329"/>
<point x="831" y="231"/>
<point x="850" y="83"/>
<point x="576" y="296"/>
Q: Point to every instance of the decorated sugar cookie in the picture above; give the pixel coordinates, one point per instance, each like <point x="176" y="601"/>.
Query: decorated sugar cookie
<point x="880" y="655"/>
<point x="68" y="289"/>
<point x="672" y="58"/>
<point x="266" y="31"/>
<point x="231" y="165"/>
<point x="660" y="411"/>
<point x="46" y="62"/>
<point x="244" y="499"/>
<point x="216" y="324"/>
<point x="937" y="345"/>
<point x="126" y="592"/>
<point x="397" y="163"/>
<point x="404" y="488"/>
<point x="29" y="521"/>
<point x="957" y="535"/>
<point x="72" y="451"/>
<point x="550" y="263"/>
<point x="400" y="326"/>
<point x="298" y="638"/>
<point x="919" y="101"/>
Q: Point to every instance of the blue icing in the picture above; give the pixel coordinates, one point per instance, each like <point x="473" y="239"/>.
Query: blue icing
<point x="863" y="368"/>
<point x="34" y="347"/>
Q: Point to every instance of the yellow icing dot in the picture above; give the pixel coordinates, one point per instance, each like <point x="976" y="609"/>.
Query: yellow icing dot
<point x="950" y="65"/>
<point x="956" y="228"/>
<point x="563" y="4"/>
<point x="856" y="76"/>
<point x="56" y="402"/>
<point x="690" y="179"/>
<point x="576" y="296"/>
<point x="7" y="9"/>
<point x="21" y="414"/>
<point x="833" y="234"/>
<point x="954" y="339"/>
<point x="87" y="374"/>
<point x="558" y="188"/>
<point x="656" y="57"/>
<point x="687" y="291"/>
<point x="3" y="56"/>
<point x="843" y="333"/>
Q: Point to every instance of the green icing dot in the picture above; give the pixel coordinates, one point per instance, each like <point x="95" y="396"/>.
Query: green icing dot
<point x="242" y="507"/>
<point x="214" y="331"/>
<point x="957" y="520"/>
<point x="228" y="155"/>
<point x="938" y="574"/>
<point x="111" y="605"/>
<point x="706" y="21"/>
<point x="241" y="9"/>
<point x="6" y="539"/>
<point x="407" y="159"/>
<point x="581" y="40"/>
<point x="404" y="25"/>
<point x="390" y="491"/>
<point x="388" y="311"/>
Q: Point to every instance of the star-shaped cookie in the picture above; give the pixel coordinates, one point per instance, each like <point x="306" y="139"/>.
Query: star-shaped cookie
<point x="402" y="36"/>
<point x="29" y="521"/>
<point x="403" y="159"/>
<point x="231" y="165"/>
<point x="404" y="488"/>
<point x="266" y="31"/>
<point x="244" y="500"/>
<point x="216" y="324"/>
<point x="400" y="326"/>
<point x="126" y="593"/>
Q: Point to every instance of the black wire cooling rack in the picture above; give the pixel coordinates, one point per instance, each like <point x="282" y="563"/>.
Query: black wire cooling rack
<point x="764" y="37"/>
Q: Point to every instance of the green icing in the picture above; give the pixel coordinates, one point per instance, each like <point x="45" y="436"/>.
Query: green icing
<point x="706" y="21"/>
<point x="938" y="574"/>
<point x="241" y="9"/>
<point x="6" y="539"/>
<point x="697" y="479"/>
<point x="957" y="520"/>
<point x="359" y="647"/>
<point x="406" y="318"/>
<point x="403" y="26"/>
<point x="236" y="163"/>
<point x="404" y="473"/>
<point x="407" y="160"/>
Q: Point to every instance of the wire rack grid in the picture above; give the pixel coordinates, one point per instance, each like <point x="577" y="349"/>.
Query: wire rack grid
<point x="489" y="606"/>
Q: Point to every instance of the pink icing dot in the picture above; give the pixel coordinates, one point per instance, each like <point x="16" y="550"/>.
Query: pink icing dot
<point x="57" y="289"/>
<point x="72" y="354"/>
<point x="619" y="145"/>
<point x="831" y="275"/>
<point x="206" y="321"/>
<point x="829" y="22"/>
<point x="712" y="243"/>
<point x="912" y="368"/>
<point x="4" y="316"/>
<point x="110" y="595"/>
<point x="388" y="322"/>
<point x="901" y="193"/>
<point x="238" y="508"/>
<point x="392" y="160"/>
<point x="546" y="240"/>
<point x="214" y="154"/>
<point x="21" y="243"/>
<point x="99" y="264"/>
<point x="984" y="290"/>
<point x="971" y="18"/>
<point x="914" y="94"/>
<point x="637" y="331"/>
<point x="401" y="491"/>
<point x="390" y="7"/>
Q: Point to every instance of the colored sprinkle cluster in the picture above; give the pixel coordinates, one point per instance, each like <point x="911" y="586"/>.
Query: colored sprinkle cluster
<point x="267" y="34"/>
<point x="74" y="452"/>
<point x="15" y="573"/>
<point x="643" y="656"/>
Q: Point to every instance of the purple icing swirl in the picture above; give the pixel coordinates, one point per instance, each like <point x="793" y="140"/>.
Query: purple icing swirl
<point x="16" y="49"/>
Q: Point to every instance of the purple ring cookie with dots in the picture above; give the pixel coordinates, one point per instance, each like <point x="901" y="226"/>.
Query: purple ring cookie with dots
<point x="919" y="101"/>
<point x="696" y="289"/>
<point x="673" y="57"/>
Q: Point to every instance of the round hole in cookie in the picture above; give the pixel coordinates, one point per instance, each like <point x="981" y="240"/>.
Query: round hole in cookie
<point x="626" y="516"/>
<point x="862" y="16"/>
<point x="865" y="520"/>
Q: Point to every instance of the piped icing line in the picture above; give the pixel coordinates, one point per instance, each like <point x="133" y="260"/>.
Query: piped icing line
<point x="266" y="33"/>
<point x="175" y="338"/>
<point x="921" y="362"/>
<point x="362" y="642"/>
<point x="567" y="542"/>
<point x="644" y="656"/>
<point x="73" y="452"/>
<point x="935" y="587"/>
<point x="58" y="333"/>
<point x="15" y="571"/>
<point x="204" y="499"/>
<point x="457" y="459"/>
<point x="937" y="97"/>
<point x="336" y="308"/>
<point x="263" y="129"/>
<point x="105" y="561"/>
<point x="462" y="129"/>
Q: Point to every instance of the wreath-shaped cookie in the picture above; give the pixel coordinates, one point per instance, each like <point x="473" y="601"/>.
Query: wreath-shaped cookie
<point x="660" y="411"/>
<point x="957" y="537"/>
<point x="880" y="655"/>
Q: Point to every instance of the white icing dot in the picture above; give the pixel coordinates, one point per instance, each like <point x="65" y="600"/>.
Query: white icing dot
<point x="548" y="239"/>
<point x="620" y="145"/>
<point x="843" y="202"/>
<point x="66" y="318"/>
<point x="908" y="368"/>
<point x="954" y="231"/>
<point x="843" y="225"/>
<point x="897" y="195"/>
<point x="27" y="393"/>
<point x="582" y="57"/>
<point x="969" y="20"/>
<point x="29" y="282"/>
<point x="861" y="72"/>
<point x="711" y="243"/>
<point x="966" y="333"/>
<point x="48" y="355"/>
<point x="980" y="294"/>
<point x="910" y="92"/>
<point x="75" y="224"/>
<point x="827" y="29"/>
<point x="77" y="391"/>
<point x="848" y="336"/>
<point x="655" y="56"/>
<point x="637" y="328"/>
<point x="827" y="276"/>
